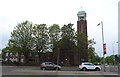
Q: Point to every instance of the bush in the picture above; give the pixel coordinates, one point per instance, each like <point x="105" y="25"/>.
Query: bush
<point x="16" y="63"/>
<point x="8" y="62"/>
<point x="30" y="63"/>
<point x="3" y="62"/>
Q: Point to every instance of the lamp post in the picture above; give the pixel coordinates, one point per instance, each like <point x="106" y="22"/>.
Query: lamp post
<point x="104" y="45"/>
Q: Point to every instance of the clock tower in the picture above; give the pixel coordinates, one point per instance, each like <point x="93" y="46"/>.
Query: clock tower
<point x="82" y="41"/>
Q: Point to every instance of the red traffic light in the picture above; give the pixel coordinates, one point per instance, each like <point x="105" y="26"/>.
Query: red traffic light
<point x="104" y="48"/>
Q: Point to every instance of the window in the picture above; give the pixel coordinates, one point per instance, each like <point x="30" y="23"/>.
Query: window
<point x="92" y="64"/>
<point x="47" y="63"/>
<point x="87" y="64"/>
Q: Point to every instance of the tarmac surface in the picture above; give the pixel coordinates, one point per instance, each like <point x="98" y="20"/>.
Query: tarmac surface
<point x="35" y="70"/>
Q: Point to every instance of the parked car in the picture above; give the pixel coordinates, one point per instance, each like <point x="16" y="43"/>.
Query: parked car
<point x="89" y="66"/>
<point x="49" y="65"/>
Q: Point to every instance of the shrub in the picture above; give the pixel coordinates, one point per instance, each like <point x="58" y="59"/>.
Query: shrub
<point x="8" y="62"/>
<point x="30" y="63"/>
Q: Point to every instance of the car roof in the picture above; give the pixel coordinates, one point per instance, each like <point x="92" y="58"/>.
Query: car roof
<point x="47" y="62"/>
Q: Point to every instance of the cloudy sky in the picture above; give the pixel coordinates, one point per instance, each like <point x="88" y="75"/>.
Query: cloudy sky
<point x="63" y="12"/>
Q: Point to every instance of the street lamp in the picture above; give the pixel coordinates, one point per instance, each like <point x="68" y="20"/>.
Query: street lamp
<point x="104" y="45"/>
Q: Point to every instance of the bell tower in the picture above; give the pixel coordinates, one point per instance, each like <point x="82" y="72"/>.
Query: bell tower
<point x="82" y="22"/>
<point x="82" y="41"/>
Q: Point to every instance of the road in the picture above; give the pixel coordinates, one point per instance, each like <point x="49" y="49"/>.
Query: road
<point x="35" y="70"/>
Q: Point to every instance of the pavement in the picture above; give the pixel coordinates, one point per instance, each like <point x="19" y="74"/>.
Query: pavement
<point x="37" y="72"/>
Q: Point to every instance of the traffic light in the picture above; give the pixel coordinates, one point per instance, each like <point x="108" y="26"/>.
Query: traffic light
<point x="116" y="57"/>
<point x="104" y="48"/>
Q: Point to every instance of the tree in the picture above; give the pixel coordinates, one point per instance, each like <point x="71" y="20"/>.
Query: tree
<point x="67" y="50"/>
<point x="54" y="33"/>
<point x="82" y="47"/>
<point x="68" y="32"/>
<point x="0" y="55"/>
<point x="66" y="46"/>
<point x="109" y="59"/>
<point x="91" y="42"/>
<point x="40" y="34"/>
<point x="4" y="51"/>
<point x="22" y="39"/>
<point x="91" y="50"/>
<point x="54" y="37"/>
<point x="15" y="49"/>
<point x="93" y="57"/>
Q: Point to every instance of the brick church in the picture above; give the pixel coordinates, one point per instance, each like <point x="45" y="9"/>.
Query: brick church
<point x="76" y="58"/>
<point x="81" y="54"/>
